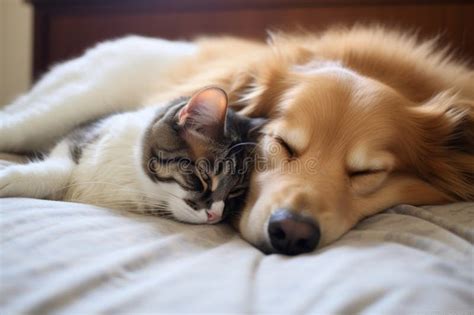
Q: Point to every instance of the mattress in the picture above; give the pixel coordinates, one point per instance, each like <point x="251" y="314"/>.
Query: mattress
<point x="69" y="258"/>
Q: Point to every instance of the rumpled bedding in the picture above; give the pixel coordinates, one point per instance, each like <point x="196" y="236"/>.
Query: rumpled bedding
<point x="68" y="258"/>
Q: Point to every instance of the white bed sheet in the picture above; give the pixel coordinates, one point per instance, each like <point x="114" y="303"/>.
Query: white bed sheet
<point x="66" y="258"/>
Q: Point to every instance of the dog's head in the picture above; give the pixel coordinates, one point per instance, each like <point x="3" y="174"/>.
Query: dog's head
<point x="340" y="146"/>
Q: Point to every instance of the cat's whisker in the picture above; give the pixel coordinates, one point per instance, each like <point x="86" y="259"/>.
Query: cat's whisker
<point x="148" y="202"/>
<point x="134" y="190"/>
<point x="102" y="197"/>
<point x="127" y="204"/>
<point x="126" y="188"/>
<point x="239" y="145"/>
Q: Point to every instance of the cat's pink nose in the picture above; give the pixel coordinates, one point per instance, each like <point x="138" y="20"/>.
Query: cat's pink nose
<point x="212" y="217"/>
<point x="214" y="214"/>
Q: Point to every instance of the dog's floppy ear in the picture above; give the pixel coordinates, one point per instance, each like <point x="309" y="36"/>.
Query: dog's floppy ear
<point x="256" y="91"/>
<point x="461" y="137"/>
<point x="446" y="126"/>
<point x="450" y="120"/>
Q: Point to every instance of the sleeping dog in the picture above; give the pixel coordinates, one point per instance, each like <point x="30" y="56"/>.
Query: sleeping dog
<point x="360" y="119"/>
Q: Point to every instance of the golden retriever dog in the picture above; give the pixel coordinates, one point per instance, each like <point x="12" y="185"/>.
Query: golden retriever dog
<point x="360" y="119"/>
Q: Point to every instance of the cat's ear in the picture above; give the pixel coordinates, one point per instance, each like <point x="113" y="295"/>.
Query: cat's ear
<point x="205" y="113"/>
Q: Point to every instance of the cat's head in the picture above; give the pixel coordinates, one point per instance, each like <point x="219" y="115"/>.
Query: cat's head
<point x="200" y="154"/>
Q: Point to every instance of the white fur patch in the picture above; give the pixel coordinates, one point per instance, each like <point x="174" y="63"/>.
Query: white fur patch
<point x="362" y="159"/>
<point x="218" y="208"/>
<point x="114" y="76"/>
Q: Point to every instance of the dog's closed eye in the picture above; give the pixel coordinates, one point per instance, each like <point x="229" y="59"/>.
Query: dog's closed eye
<point x="289" y="150"/>
<point x="366" y="181"/>
<point x="365" y="172"/>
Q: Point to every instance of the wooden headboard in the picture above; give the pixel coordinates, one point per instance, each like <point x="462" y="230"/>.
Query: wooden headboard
<point x="64" y="28"/>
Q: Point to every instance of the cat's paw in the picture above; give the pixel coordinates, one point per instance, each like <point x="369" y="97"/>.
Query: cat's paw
<point x="15" y="130"/>
<point x="11" y="182"/>
<point x="10" y="138"/>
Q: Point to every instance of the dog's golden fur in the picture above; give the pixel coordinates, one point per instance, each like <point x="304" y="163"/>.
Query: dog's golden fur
<point x="371" y="118"/>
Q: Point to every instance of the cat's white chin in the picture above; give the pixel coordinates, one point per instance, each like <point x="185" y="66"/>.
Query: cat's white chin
<point x="190" y="215"/>
<point x="184" y="213"/>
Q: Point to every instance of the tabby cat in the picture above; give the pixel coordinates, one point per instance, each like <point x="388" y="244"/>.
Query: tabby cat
<point x="188" y="160"/>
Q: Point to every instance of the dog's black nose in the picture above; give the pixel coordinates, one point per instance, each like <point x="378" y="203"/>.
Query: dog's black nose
<point x="291" y="233"/>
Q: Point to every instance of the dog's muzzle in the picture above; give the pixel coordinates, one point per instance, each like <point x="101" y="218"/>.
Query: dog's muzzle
<point x="291" y="233"/>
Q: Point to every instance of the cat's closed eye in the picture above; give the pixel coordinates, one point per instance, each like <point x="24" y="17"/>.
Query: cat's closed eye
<point x="177" y="159"/>
<point x="237" y="191"/>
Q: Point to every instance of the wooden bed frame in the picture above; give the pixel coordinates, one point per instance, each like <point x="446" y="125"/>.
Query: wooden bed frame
<point x="64" y="28"/>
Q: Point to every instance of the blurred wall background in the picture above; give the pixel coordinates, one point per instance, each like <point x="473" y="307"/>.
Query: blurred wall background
<point x="15" y="48"/>
<point x="64" y="28"/>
